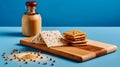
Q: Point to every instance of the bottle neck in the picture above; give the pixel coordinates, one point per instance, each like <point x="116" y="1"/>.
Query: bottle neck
<point x="31" y="10"/>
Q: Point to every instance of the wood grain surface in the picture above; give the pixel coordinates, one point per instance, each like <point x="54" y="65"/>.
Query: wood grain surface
<point x="78" y="53"/>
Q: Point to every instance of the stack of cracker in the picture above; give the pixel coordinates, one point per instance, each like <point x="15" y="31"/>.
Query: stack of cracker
<point x="75" y="37"/>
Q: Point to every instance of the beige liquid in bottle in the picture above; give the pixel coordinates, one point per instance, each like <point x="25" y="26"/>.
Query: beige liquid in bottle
<point x="31" y="21"/>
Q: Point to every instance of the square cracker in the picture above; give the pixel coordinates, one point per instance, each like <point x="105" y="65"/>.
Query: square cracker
<point x="52" y="38"/>
<point x="37" y="39"/>
<point x="75" y="42"/>
<point x="75" y="38"/>
<point x="74" y="33"/>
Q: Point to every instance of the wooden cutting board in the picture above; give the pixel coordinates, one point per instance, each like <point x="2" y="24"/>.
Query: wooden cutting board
<point x="78" y="53"/>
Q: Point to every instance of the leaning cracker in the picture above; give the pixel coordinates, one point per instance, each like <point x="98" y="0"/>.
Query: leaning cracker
<point x="52" y="38"/>
<point x="37" y="39"/>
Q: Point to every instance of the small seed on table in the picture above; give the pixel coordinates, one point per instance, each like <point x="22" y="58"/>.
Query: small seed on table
<point x="38" y="62"/>
<point x="30" y="59"/>
<point x="50" y="59"/>
<point x="52" y="64"/>
<point x="54" y="61"/>
<point x="26" y="62"/>
<point x="14" y="55"/>
<point x="3" y="56"/>
<point x="6" y="63"/>
<point x="6" y="59"/>
<point x="41" y="57"/>
<point x="44" y="63"/>
<point x="19" y="59"/>
<point x="11" y="53"/>
<point x="11" y="59"/>
<point x="4" y="53"/>
<point x="20" y="65"/>
<point x="34" y="60"/>
<point x="38" y="54"/>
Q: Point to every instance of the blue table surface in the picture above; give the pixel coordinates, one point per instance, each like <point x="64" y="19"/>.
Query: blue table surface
<point x="10" y="38"/>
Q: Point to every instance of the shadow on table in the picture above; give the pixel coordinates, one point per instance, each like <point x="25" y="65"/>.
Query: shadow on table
<point x="12" y="34"/>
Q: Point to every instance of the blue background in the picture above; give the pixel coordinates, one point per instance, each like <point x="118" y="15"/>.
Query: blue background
<point x="64" y="12"/>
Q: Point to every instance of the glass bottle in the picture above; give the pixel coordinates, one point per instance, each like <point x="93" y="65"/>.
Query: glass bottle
<point x="31" y="20"/>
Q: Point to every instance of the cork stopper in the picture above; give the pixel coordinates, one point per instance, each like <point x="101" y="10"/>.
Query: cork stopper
<point x="31" y="3"/>
<point x="31" y="7"/>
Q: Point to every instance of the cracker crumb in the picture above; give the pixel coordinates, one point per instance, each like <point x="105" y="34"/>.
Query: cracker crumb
<point x="26" y="57"/>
